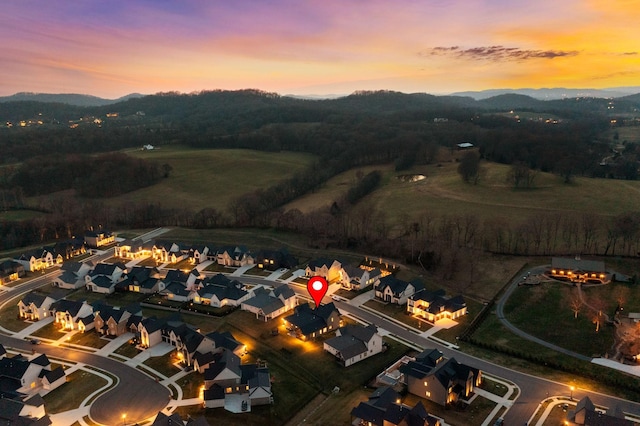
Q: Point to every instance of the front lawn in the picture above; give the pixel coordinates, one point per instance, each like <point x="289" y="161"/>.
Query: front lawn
<point x="191" y="385"/>
<point x="9" y="319"/>
<point x="163" y="364"/>
<point x="80" y="384"/>
<point x="398" y="312"/>
<point x="89" y="338"/>
<point x="49" y="331"/>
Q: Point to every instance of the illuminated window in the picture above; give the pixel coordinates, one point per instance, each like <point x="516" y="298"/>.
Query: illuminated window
<point x="428" y="394"/>
<point x="426" y="384"/>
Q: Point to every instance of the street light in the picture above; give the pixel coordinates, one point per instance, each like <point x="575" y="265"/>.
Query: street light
<point x="572" y="389"/>
<point x="124" y="418"/>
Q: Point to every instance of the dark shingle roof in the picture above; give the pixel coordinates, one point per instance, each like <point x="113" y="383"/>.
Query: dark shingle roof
<point x="36" y="298"/>
<point x="311" y="320"/>
<point x="395" y="285"/>
<point x="54" y="374"/>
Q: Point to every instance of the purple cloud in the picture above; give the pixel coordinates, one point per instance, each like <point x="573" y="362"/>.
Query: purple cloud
<point x="496" y="53"/>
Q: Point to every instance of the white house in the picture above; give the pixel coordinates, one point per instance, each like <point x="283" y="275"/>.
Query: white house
<point x="269" y="304"/>
<point x="35" y="306"/>
<point x="353" y="343"/>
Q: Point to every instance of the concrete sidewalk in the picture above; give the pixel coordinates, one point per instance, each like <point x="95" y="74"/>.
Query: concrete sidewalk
<point x="33" y="328"/>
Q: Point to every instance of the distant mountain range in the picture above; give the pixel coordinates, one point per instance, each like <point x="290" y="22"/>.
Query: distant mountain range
<point x="555" y="93"/>
<point x="538" y="94"/>
<point x="67" y="98"/>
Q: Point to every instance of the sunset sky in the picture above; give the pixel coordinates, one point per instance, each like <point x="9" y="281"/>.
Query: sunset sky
<point x="112" y="48"/>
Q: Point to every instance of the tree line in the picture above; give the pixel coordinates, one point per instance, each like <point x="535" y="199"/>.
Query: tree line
<point x="100" y="176"/>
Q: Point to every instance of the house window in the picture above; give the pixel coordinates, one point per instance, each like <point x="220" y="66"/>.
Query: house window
<point x="229" y="390"/>
<point x="428" y="394"/>
<point x="426" y="384"/>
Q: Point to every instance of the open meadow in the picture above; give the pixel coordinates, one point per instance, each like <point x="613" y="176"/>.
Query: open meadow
<point x="212" y="177"/>
<point x="443" y="192"/>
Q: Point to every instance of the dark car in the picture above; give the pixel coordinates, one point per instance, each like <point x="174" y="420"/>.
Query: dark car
<point x="34" y="341"/>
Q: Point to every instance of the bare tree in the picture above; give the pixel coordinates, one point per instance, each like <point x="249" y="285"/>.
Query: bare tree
<point x="575" y="303"/>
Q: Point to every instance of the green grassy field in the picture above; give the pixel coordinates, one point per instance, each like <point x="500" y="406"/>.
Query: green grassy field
<point x="212" y="178"/>
<point x="18" y="215"/>
<point x="80" y="384"/>
<point x="444" y="192"/>
<point x="629" y="134"/>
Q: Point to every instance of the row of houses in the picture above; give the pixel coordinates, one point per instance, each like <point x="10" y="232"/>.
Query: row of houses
<point x="46" y="257"/>
<point x="22" y="377"/>
<point x="431" y="306"/>
<point x="349" y="277"/>
<point x="216" y="355"/>
<point x="172" y="252"/>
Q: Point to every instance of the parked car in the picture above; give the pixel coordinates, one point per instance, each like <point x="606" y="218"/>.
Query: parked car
<point x="35" y="341"/>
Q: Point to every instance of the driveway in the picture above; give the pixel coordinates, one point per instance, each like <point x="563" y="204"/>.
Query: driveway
<point x="135" y="394"/>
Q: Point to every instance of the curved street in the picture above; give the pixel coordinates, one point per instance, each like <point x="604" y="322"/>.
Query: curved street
<point x="515" y="330"/>
<point x="135" y="393"/>
<point x="141" y="397"/>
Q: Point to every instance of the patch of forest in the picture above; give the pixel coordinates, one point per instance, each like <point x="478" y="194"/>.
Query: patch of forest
<point x="100" y="176"/>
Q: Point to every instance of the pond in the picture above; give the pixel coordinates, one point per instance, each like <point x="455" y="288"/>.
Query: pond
<point x="411" y="178"/>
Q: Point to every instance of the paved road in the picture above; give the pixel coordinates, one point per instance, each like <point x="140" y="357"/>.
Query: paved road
<point x="500" y="314"/>
<point x="532" y="389"/>
<point x="136" y="394"/>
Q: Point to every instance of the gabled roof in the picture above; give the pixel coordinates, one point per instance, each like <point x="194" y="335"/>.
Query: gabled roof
<point x="369" y="413"/>
<point x="3" y="351"/>
<point x="107" y="312"/>
<point x="353" y="271"/>
<point x="311" y="320"/>
<point x="64" y="305"/>
<point x="263" y="300"/>
<point x="176" y="288"/>
<point x="41" y="360"/>
<point x="383" y="396"/>
<point x="451" y="371"/>
<point x="395" y="413"/>
<point x="54" y="374"/>
<point x="352" y="341"/>
<point x="9" y="267"/>
<point x="285" y="291"/>
<point x="87" y="320"/>
<point x="71" y="266"/>
<point x="396" y="285"/>
<point x="204" y="358"/>
<point x="13" y="368"/>
<point x="104" y="269"/>
<point x="229" y="292"/>
<point x="429" y="357"/>
<point x="102" y="281"/>
<point x="36" y="298"/>
<point x="578" y="264"/>
<point x="320" y="262"/>
<point x="68" y="277"/>
<point x="225" y="359"/>
<point x="176" y="275"/>
<point x="225" y="340"/>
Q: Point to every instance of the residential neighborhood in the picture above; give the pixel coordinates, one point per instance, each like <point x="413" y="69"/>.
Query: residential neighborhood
<point x="108" y="300"/>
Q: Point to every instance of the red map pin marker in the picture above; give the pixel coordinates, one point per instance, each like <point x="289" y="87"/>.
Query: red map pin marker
<point x="317" y="288"/>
